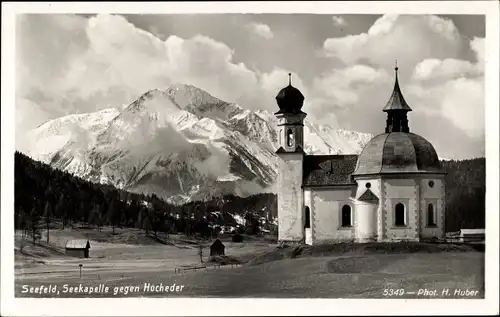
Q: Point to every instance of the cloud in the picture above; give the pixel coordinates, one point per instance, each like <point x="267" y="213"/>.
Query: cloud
<point x="115" y="62"/>
<point x="338" y="21"/>
<point x="344" y="87"/>
<point x="29" y="115"/>
<point x="460" y="99"/>
<point x="478" y="46"/>
<point x="278" y="78"/>
<point x="406" y="38"/>
<point x="85" y="65"/>
<point x="438" y="70"/>
<point x="69" y="64"/>
<point x="441" y="76"/>
<point x="262" y="30"/>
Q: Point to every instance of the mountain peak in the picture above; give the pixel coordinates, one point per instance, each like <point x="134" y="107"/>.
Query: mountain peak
<point x="182" y="96"/>
<point x="185" y="94"/>
<point x="173" y="141"/>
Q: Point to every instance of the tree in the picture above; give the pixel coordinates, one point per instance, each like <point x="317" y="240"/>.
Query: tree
<point x="254" y="226"/>
<point x="157" y="220"/>
<point x="237" y="237"/>
<point x="146" y="220"/>
<point x="139" y="221"/>
<point x="133" y="211"/>
<point x="34" y="225"/>
<point x="47" y="214"/>
<point x="203" y="228"/>
<point x="93" y="216"/>
<point x="99" y="220"/>
<point x="200" y="252"/>
<point x="60" y="210"/>
<point x="113" y="213"/>
<point x="217" y="230"/>
<point x="22" y="222"/>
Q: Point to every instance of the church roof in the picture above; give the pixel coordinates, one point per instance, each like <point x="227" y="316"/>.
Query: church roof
<point x="297" y="150"/>
<point x="328" y="170"/>
<point x="368" y="195"/>
<point x="398" y="152"/>
<point x="396" y="101"/>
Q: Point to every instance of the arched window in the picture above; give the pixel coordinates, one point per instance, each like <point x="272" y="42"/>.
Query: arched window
<point x="307" y="223"/>
<point x="289" y="137"/>
<point x="346" y="216"/>
<point x="431" y="217"/>
<point x="400" y="215"/>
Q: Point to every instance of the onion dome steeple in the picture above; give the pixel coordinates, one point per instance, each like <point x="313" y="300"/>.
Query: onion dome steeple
<point x="397" y="109"/>
<point x="290" y="99"/>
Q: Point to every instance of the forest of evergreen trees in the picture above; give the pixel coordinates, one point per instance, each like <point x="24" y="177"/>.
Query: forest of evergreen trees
<point x="465" y="194"/>
<point x="44" y="196"/>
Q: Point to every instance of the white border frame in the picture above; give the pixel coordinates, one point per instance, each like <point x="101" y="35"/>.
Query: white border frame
<point x="190" y="307"/>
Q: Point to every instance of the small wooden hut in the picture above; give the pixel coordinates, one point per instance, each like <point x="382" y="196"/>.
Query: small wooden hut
<point x="217" y="248"/>
<point x="78" y="248"/>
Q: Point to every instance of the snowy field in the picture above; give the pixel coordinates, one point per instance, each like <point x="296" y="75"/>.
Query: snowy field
<point x="124" y="270"/>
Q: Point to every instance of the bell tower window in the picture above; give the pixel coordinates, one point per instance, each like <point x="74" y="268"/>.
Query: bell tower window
<point x="289" y="137"/>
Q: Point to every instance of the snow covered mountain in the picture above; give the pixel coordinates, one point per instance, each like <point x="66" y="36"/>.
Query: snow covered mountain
<point x="180" y="143"/>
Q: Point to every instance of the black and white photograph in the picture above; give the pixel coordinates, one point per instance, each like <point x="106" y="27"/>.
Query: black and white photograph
<point x="250" y="151"/>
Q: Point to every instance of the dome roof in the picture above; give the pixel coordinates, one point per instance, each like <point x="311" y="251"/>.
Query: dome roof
<point x="398" y="152"/>
<point x="290" y="99"/>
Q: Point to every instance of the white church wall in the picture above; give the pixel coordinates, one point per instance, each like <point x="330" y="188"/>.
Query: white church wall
<point x="326" y="209"/>
<point x="434" y="195"/>
<point x="308" y="204"/>
<point x="290" y="198"/>
<point x="375" y="185"/>
<point x="366" y="221"/>
<point x="405" y="191"/>
<point x="308" y="198"/>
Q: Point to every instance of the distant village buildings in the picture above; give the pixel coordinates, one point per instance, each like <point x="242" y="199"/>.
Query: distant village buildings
<point x="394" y="190"/>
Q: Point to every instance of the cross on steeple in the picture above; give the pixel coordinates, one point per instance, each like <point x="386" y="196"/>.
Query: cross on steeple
<point x="289" y="79"/>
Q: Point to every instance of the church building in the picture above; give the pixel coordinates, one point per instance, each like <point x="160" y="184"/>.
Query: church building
<point x="393" y="191"/>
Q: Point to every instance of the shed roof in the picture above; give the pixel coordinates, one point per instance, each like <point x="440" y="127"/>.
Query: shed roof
<point x="217" y="244"/>
<point x="77" y="244"/>
<point x="325" y="170"/>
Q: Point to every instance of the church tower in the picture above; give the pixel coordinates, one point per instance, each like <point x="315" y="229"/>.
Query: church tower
<point x="290" y="167"/>
<point x="397" y="110"/>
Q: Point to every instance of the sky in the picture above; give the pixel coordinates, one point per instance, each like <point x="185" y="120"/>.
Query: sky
<point x="343" y="64"/>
